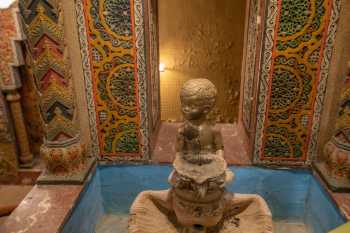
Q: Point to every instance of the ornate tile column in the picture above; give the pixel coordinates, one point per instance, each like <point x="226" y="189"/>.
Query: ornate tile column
<point x="50" y="67"/>
<point x="334" y="167"/>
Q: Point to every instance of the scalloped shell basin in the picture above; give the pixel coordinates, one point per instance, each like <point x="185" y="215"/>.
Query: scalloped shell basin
<point x="298" y="203"/>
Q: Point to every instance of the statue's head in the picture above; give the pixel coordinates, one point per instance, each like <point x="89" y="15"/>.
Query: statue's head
<point x="198" y="97"/>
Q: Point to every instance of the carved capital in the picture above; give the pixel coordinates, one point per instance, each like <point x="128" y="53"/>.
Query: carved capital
<point x="335" y="166"/>
<point x="13" y="97"/>
<point x="337" y="161"/>
<point x="64" y="158"/>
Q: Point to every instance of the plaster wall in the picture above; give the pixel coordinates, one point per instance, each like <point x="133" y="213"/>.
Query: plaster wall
<point x="337" y="74"/>
<point x="201" y="39"/>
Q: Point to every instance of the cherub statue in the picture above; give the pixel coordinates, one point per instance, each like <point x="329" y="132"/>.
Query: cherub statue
<point x="197" y="140"/>
<point x="198" y="200"/>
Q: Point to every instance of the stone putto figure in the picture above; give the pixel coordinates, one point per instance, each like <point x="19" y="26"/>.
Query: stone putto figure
<point x="197" y="140"/>
<point x="197" y="200"/>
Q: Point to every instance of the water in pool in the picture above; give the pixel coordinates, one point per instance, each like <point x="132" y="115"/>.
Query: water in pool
<point x="297" y="202"/>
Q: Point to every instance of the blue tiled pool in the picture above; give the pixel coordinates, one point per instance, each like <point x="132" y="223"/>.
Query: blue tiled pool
<point x="292" y="195"/>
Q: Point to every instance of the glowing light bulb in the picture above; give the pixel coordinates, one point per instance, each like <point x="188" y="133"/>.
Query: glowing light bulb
<point x="161" y="67"/>
<point x="6" y="3"/>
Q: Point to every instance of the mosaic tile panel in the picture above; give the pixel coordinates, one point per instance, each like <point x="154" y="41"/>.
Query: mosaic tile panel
<point x="8" y="31"/>
<point x="299" y="36"/>
<point x="112" y="42"/>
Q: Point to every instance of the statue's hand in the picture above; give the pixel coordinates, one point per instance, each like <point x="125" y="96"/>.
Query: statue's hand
<point x="220" y="153"/>
<point x="199" y="158"/>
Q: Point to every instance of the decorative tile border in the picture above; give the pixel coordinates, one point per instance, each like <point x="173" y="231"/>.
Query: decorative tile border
<point x="250" y="64"/>
<point x="327" y="55"/>
<point x="95" y="149"/>
<point x="264" y="75"/>
<point x="142" y="74"/>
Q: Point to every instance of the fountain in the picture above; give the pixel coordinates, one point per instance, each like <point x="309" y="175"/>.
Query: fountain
<point x="197" y="200"/>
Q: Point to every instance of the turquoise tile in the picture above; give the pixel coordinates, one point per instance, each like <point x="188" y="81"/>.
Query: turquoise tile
<point x="291" y="194"/>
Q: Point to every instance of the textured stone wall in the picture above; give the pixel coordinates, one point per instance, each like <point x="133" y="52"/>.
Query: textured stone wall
<point x="201" y="39"/>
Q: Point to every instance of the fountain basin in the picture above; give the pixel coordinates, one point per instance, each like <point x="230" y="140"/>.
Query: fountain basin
<point x="293" y="196"/>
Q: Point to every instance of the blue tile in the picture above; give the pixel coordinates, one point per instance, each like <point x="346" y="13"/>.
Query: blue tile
<point x="321" y="213"/>
<point x="88" y="210"/>
<point x="290" y="194"/>
<point x="120" y="185"/>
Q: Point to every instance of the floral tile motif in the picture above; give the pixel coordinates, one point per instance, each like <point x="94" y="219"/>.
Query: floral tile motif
<point x="113" y="47"/>
<point x="299" y="36"/>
